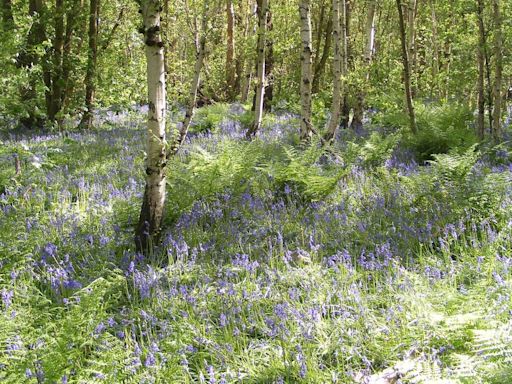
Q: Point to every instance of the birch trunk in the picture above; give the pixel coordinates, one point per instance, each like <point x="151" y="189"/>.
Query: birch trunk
<point x="260" y="89"/>
<point x="337" y="13"/>
<point x="412" y="10"/>
<point x="481" y="70"/>
<point x="306" y="70"/>
<point x="407" y="73"/>
<point x="90" y="81"/>
<point x="152" y="211"/>
<point x="498" y="65"/>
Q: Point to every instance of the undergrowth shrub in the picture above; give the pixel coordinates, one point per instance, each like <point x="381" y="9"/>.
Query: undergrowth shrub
<point x="208" y="118"/>
<point x="441" y="129"/>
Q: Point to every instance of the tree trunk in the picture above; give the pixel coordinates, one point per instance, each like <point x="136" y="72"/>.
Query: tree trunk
<point x="268" y="95"/>
<point x="346" y="59"/>
<point x="152" y="211"/>
<point x="357" y="119"/>
<point x="412" y="10"/>
<point x="320" y="64"/>
<point x="498" y="67"/>
<point x="407" y="74"/>
<point x="338" y="12"/>
<point x="90" y="77"/>
<point x="54" y="94"/>
<point x="481" y="70"/>
<point x="230" y="50"/>
<point x="260" y="89"/>
<point x="200" y="40"/>
<point x="68" y="82"/>
<point x="306" y="70"/>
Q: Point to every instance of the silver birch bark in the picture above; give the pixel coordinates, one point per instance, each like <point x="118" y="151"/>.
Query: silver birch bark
<point x="306" y="70"/>
<point x="152" y="210"/>
<point x="260" y="89"/>
<point x="337" y="64"/>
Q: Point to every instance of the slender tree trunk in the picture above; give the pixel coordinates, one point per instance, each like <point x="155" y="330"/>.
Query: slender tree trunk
<point x="306" y="70"/>
<point x="152" y="211"/>
<point x="90" y="77"/>
<point x="357" y="119"/>
<point x="481" y="70"/>
<point x="407" y="74"/>
<point x="200" y="40"/>
<point x="68" y="81"/>
<point x="337" y="14"/>
<point x="260" y="89"/>
<point x="268" y="95"/>
<point x="230" y="50"/>
<point x="246" y="77"/>
<point x="55" y="92"/>
<point x="498" y="67"/>
<point x="412" y="10"/>
<point x="346" y="59"/>
<point x="7" y="18"/>
<point x="320" y="64"/>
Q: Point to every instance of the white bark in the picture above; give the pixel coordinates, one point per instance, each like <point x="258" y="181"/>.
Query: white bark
<point x="260" y="89"/>
<point x="154" y="197"/>
<point x="306" y="69"/>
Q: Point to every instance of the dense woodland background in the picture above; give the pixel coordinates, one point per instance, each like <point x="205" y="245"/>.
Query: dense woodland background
<point x="242" y="191"/>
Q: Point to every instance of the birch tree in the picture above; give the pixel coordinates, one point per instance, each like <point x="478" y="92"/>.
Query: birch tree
<point x="260" y="88"/>
<point x="306" y="70"/>
<point x="152" y="211"/>
<point x="407" y="68"/>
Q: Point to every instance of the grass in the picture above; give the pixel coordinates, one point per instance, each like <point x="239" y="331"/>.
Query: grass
<point x="278" y="265"/>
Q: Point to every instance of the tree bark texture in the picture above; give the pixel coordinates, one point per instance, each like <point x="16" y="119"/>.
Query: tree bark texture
<point x="230" y="50"/>
<point x="152" y="211"/>
<point x="260" y="88"/>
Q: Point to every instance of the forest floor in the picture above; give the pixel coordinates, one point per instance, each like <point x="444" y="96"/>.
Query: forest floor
<point x="277" y="264"/>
